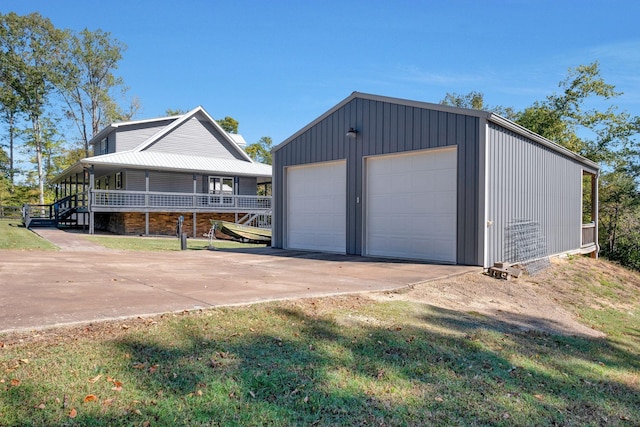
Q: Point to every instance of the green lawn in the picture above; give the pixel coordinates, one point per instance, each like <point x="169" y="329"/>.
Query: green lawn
<point x="136" y="243"/>
<point x="333" y="361"/>
<point x="13" y="235"/>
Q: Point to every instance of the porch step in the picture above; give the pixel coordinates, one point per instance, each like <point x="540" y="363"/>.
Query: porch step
<point x="42" y="222"/>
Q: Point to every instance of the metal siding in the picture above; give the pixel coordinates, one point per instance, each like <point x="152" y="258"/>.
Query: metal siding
<point x="383" y="128"/>
<point x="531" y="182"/>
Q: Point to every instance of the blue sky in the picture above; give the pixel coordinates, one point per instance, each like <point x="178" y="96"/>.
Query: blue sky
<point x="276" y="65"/>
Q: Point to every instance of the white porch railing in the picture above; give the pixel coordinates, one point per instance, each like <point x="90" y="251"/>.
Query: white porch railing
<point x="117" y="200"/>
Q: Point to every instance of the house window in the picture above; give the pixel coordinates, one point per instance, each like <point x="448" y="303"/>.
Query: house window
<point x="119" y="181"/>
<point x="221" y="190"/>
<point x="104" y="146"/>
<point x="220" y="185"/>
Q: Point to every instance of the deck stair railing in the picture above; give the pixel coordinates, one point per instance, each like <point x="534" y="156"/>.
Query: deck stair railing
<point x="53" y="214"/>
<point x="260" y="220"/>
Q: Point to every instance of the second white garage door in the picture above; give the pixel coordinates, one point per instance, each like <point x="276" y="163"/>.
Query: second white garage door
<point x="317" y="207"/>
<point x="411" y="205"/>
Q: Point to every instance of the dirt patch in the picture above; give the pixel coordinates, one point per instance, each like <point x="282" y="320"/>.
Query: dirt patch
<point x="544" y="302"/>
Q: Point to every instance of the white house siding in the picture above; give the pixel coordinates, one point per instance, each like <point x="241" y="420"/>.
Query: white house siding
<point x="528" y="182"/>
<point x="197" y="138"/>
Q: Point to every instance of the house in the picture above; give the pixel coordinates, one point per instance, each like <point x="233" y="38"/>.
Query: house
<point x="147" y="173"/>
<point x="387" y="177"/>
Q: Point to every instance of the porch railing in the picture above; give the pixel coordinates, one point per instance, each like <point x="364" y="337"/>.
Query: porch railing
<point x="588" y="234"/>
<point x="116" y="199"/>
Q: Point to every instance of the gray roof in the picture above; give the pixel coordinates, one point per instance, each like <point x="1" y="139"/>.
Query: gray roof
<point x="178" y="162"/>
<point x="139" y="158"/>
<point x="492" y="117"/>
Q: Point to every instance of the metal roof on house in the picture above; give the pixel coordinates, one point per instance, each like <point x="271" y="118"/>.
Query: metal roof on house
<point x="178" y="162"/>
<point x="139" y="158"/>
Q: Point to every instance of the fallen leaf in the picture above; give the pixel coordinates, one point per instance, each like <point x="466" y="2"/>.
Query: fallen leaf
<point x="146" y="424"/>
<point x="73" y="413"/>
<point x="107" y="402"/>
<point x="199" y="392"/>
<point x="15" y="382"/>
<point x="139" y="365"/>
<point x="439" y="399"/>
<point x="95" y="379"/>
<point x="125" y="326"/>
<point x="252" y="394"/>
<point x="41" y="406"/>
<point x="90" y="398"/>
<point x="137" y="411"/>
<point x="153" y="369"/>
<point x="25" y="361"/>
<point x="306" y="399"/>
<point x="538" y="396"/>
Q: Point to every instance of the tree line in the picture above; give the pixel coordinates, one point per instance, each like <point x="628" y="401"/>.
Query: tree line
<point x="59" y="87"/>
<point x="53" y="78"/>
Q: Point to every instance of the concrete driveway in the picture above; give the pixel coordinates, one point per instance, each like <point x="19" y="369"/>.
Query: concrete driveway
<point x="74" y="285"/>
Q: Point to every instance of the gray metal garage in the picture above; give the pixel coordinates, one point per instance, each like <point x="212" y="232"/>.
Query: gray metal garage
<point x="388" y="177"/>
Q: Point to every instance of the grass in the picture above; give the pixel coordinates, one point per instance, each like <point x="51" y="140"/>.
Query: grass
<point x="136" y="243"/>
<point x="332" y="361"/>
<point x="14" y="236"/>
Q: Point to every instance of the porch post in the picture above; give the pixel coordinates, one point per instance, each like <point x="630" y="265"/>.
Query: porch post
<point x="594" y="208"/>
<point x="146" y="202"/>
<point x="90" y="204"/>
<point x="195" y="204"/>
<point x="83" y="203"/>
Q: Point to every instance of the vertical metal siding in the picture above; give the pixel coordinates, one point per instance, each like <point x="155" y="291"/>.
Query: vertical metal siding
<point x="529" y="182"/>
<point x="385" y="128"/>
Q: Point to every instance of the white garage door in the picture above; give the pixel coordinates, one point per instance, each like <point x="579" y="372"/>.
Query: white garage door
<point x="317" y="207"/>
<point x="411" y="205"/>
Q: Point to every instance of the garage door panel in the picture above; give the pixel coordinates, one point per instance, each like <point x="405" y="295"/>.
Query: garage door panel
<point x="411" y="205"/>
<point x="316" y="207"/>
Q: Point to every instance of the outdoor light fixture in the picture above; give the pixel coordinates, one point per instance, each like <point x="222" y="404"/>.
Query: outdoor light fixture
<point x="352" y="133"/>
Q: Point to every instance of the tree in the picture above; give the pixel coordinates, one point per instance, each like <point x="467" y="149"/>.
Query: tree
<point x="229" y="124"/>
<point x="89" y="84"/>
<point x="473" y="100"/>
<point x="603" y="136"/>
<point x="260" y="151"/>
<point x="176" y="112"/>
<point x="9" y="110"/>
<point x="30" y="48"/>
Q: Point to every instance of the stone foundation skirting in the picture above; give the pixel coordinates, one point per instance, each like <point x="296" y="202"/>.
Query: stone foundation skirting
<point x="160" y="223"/>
